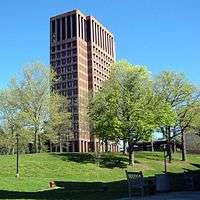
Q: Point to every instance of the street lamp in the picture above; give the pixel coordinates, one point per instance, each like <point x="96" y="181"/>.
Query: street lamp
<point x="165" y="158"/>
<point x="17" y="164"/>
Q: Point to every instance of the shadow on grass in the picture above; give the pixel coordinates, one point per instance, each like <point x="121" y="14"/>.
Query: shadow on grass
<point x="105" y="160"/>
<point x="76" y="157"/>
<point x="196" y="165"/>
<point x="148" y="155"/>
<point x="74" y="190"/>
<point x="104" y="191"/>
<point x="197" y="171"/>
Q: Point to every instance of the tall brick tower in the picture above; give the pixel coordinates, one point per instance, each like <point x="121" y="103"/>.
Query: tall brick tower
<point x="81" y="52"/>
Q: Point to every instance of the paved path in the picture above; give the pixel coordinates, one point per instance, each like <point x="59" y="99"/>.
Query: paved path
<point x="170" y="196"/>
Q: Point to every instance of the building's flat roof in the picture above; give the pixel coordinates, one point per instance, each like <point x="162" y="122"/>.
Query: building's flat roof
<point x="78" y="11"/>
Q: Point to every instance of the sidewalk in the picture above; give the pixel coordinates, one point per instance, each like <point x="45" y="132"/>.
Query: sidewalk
<point x="170" y="196"/>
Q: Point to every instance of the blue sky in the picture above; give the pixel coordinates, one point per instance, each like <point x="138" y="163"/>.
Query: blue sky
<point x="158" y="34"/>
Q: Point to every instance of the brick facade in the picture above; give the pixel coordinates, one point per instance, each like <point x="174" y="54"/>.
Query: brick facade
<point x="81" y="52"/>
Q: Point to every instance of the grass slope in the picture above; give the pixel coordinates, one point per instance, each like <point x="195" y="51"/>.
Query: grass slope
<point x="79" y="174"/>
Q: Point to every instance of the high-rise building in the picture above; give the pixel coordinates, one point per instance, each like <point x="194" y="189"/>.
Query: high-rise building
<point x="81" y="52"/>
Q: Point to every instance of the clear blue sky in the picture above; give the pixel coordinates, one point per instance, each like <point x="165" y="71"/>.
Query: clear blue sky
<point x="159" y="34"/>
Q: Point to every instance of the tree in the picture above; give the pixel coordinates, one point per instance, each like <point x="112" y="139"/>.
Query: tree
<point x="188" y="114"/>
<point x="133" y="112"/>
<point x="38" y="103"/>
<point x="141" y="112"/>
<point x="125" y="108"/>
<point x="10" y="119"/>
<point x="195" y="123"/>
<point x="103" y="113"/>
<point x="174" y="89"/>
<point x="57" y="126"/>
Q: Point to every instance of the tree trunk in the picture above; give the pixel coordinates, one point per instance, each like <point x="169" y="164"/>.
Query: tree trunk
<point x="100" y="146"/>
<point x="106" y="145"/>
<point x="61" y="147"/>
<point x="9" y="151"/>
<point x="98" y="152"/>
<point x="174" y="146"/>
<point x="131" y="158"/>
<point x="35" y="141"/>
<point x="130" y="161"/>
<point x="60" y="143"/>
<point x="39" y="144"/>
<point x="170" y="152"/>
<point x="152" y="147"/>
<point x="13" y="151"/>
<point x="183" y="151"/>
<point x="169" y="149"/>
<point x="124" y="147"/>
<point x="130" y="153"/>
<point x="50" y="146"/>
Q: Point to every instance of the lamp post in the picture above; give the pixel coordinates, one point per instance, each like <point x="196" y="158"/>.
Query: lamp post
<point x="17" y="161"/>
<point x="165" y="158"/>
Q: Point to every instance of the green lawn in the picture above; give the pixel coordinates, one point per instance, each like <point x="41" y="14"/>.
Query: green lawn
<point x="79" y="175"/>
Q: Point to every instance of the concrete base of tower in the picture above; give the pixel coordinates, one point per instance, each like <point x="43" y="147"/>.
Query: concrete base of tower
<point x="83" y="146"/>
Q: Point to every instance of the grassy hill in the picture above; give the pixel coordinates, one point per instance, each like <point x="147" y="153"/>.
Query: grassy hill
<point x="78" y="175"/>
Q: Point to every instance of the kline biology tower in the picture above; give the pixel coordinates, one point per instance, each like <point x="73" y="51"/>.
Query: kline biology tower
<point x="81" y="52"/>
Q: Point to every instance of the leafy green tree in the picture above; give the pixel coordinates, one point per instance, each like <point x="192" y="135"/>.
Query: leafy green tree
<point x="136" y="118"/>
<point x="187" y="116"/>
<point x="9" y="120"/>
<point x="38" y="103"/>
<point x="57" y="127"/>
<point x="141" y="112"/>
<point x="103" y="113"/>
<point x="195" y="123"/>
<point x="127" y="108"/>
<point x="174" y="89"/>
